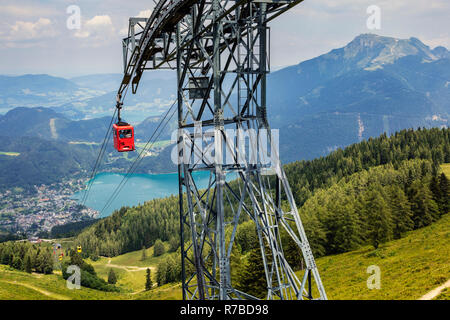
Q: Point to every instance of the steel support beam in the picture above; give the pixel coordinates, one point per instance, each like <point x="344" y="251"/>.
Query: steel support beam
<point x="221" y="51"/>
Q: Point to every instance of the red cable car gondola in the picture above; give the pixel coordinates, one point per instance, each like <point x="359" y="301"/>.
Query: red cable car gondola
<point x="123" y="132"/>
<point x="123" y="137"/>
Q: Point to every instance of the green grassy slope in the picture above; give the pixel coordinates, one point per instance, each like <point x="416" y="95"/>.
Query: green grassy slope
<point x="445" y="295"/>
<point x="11" y="154"/>
<point x="129" y="268"/>
<point x="410" y="267"/>
<point x="16" y="285"/>
<point x="24" y="286"/>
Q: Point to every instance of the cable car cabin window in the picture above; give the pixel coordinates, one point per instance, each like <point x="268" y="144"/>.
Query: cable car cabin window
<point x="125" y="134"/>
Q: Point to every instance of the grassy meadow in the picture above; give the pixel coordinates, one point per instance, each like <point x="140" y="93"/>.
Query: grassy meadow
<point x="410" y="267"/>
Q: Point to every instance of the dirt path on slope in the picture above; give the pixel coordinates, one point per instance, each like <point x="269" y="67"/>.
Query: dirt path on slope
<point x="128" y="268"/>
<point x="42" y="291"/>
<point x="435" y="292"/>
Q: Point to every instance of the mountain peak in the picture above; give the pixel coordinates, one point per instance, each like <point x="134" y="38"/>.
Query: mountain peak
<point x="441" y="52"/>
<point x="371" y="51"/>
<point x="366" y="37"/>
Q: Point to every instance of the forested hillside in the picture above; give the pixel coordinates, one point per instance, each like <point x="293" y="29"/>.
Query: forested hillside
<point x="370" y="207"/>
<point x="39" y="161"/>
<point x="27" y="257"/>
<point x="129" y="229"/>
<point x="413" y="187"/>
<point x="374" y="206"/>
<point x="41" y="146"/>
<point x="307" y="176"/>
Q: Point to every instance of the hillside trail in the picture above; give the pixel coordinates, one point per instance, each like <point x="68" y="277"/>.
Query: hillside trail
<point x="42" y="291"/>
<point x="128" y="268"/>
<point x="143" y="290"/>
<point x="435" y="292"/>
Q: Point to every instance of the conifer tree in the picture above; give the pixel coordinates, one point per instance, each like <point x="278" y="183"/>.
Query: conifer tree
<point x="401" y="211"/>
<point x="174" y="243"/>
<point x="348" y="232"/>
<point x="316" y="235"/>
<point x="235" y="262"/>
<point x="436" y="189"/>
<point x="246" y="236"/>
<point x="148" y="280"/>
<point x="379" y="218"/>
<point x="158" y="248"/>
<point x="28" y="265"/>
<point x="6" y="256"/>
<point x="44" y="262"/>
<point x="161" y="273"/>
<point x="144" y="255"/>
<point x="424" y="208"/>
<point x="253" y="278"/>
<point x="17" y="263"/>
<point x="444" y="187"/>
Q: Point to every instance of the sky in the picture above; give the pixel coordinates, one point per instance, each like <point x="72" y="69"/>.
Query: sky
<point x="35" y="37"/>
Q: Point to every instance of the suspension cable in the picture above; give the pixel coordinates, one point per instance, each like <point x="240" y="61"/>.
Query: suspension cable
<point x="140" y="157"/>
<point x="99" y="159"/>
<point x="102" y="151"/>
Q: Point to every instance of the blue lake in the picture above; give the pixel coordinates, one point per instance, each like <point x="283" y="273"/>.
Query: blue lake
<point x="138" y="189"/>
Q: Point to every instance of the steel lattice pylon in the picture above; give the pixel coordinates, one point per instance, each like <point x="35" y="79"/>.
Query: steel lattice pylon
<point x="220" y="50"/>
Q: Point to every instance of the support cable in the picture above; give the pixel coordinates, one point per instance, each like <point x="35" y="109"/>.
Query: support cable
<point x="103" y="148"/>
<point x="98" y="161"/>
<point x="138" y="160"/>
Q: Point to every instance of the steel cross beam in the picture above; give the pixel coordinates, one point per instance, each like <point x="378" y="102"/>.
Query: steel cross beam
<point x="220" y="49"/>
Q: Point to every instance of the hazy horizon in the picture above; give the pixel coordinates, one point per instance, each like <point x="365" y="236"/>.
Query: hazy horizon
<point x="35" y="39"/>
<point x="273" y="69"/>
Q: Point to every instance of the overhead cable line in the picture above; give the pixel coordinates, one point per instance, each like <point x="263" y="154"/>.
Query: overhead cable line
<point x="98" y="161"/>
<point x="140" y="157"/>
<point x="102" y="150"/>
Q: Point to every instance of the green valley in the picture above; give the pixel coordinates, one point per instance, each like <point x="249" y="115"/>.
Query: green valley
<point x="382" y="202"/>
<point x="410" y="267"/>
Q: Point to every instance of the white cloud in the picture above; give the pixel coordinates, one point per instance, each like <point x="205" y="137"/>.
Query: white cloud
<point x="124" y="31"/>
<point x="142" y="14"/>
<point x="436" y="41"/>
<point x="28" y="33"/>
<point x="26" y="11"/>
<point x="97" y="32"/>
<point x="99" y="21"/>
<point x="97" y="27"/>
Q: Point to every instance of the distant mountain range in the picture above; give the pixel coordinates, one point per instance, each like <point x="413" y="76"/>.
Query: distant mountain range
<point x="156" y="93"/>
<point x="88" y="97"/>
<point x="35" y="90"/>
<point x="47" y="124"/>
<point x="372" y="85"/>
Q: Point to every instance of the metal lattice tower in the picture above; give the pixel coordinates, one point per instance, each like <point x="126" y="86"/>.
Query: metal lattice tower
<point x="220" y="50"/>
